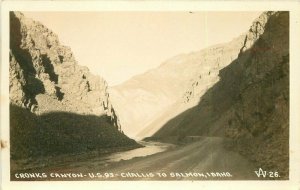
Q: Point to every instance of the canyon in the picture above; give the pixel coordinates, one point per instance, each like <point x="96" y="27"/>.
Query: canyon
<point x="227" y="101"/>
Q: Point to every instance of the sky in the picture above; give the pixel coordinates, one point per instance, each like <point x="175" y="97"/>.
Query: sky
<point x="119" y="45"/>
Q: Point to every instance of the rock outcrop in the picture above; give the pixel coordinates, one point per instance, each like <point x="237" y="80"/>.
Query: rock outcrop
<point x="45" y="76"/>
<point x="46" y="79"/>
<point x="250" y="102"/>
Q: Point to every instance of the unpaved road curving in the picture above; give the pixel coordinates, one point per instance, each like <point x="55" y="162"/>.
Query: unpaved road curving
<point x="204" y="156"/>
<point x="205" y="159"/>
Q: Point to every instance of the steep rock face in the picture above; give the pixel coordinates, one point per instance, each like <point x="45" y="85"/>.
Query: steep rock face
<point x="250" y="103"/>
<point x="196" y="88"/>
<point x="45" y="76"/>
<point x="146" y="97"/>
<point x="46" y="80"/>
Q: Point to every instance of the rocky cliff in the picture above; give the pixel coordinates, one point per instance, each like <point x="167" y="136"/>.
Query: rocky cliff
<point x="45" y="76"/>
<point x="250" y="102"/>
<point x="46" y="80"/>
<point x="143" y="102"/>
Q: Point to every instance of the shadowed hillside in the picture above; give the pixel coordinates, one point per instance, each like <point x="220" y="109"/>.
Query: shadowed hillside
<point x="250" y="103"/>
<point x="61" y="133"/>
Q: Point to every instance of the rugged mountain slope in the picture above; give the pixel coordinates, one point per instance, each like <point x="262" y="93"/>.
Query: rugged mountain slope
<point x="250" y="103"/>
<point x="207" y="76"/>
<point x="145" y="97"/>
<point x="57" y="106"/>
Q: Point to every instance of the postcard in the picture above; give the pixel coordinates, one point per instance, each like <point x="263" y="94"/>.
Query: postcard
<point x="150" y="94"/>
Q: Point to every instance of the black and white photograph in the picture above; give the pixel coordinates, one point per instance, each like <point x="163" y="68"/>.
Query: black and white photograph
<point x="148" y="95"/>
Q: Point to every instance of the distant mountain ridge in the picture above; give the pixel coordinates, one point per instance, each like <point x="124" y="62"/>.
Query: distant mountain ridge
<point x="143" y="98"/>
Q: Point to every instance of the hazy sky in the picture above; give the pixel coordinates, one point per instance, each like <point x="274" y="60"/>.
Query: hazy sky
<point x="119" y="45"/>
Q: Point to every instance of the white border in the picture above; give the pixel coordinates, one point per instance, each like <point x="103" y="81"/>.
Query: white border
<point x="292" y="6"/>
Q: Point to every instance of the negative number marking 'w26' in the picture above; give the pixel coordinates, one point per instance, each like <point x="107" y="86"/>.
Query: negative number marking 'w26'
<point x="264" y="173"/>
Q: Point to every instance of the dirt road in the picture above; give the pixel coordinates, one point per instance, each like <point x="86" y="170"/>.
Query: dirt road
<point x="185" y="163"/>
<point x="205" y="159"/>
